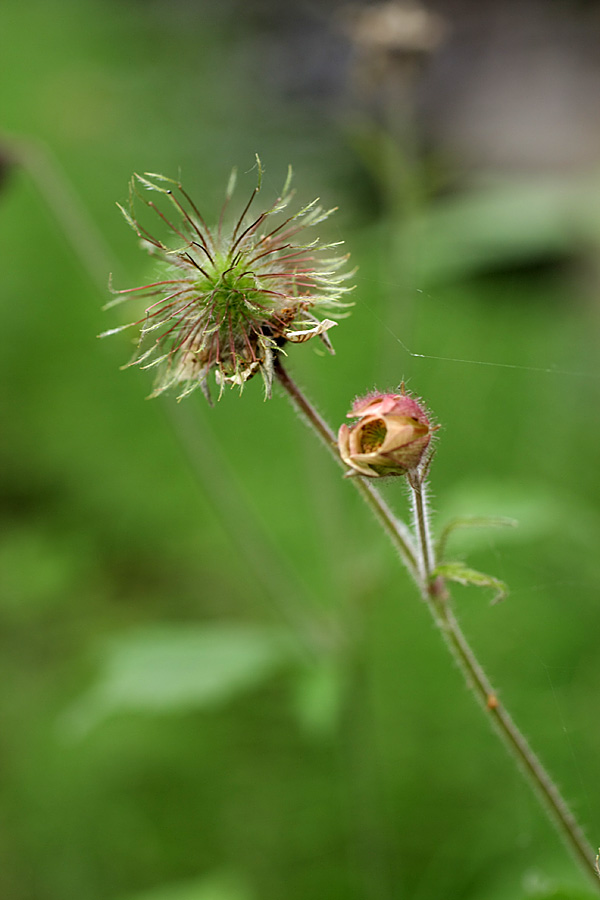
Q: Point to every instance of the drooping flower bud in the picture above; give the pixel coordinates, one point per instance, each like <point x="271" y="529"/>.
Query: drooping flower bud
<point x="391" y="436"/>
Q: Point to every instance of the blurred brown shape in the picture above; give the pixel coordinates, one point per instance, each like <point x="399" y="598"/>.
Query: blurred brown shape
<point x="7" y="163"/>
<point x="396" y="28"/>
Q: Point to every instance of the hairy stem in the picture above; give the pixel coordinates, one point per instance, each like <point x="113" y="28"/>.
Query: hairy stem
<point x="437" y="598"/>
<point x="557" y="807"/>
<point x="422" y="525"/>
<point x="397" y="530"/>
<point x="434" y="592"/>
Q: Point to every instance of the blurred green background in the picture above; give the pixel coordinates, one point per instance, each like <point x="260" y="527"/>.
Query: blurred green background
<point x="217" y="682"/>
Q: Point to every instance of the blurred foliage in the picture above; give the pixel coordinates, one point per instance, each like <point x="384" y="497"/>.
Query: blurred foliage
<point x="221" y="886"/>
<point x="284" y="721"/>
<point x="168" y="669"/>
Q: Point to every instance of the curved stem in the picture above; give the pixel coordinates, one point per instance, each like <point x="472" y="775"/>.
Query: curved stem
<point x="420" y="565"/>
<point x="397" y="530"/>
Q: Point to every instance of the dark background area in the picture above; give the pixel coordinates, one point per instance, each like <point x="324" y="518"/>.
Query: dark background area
<point x="217" y="681"/>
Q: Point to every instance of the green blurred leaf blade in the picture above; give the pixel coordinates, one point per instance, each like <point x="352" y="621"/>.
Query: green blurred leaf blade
<point x="165" y="669"/>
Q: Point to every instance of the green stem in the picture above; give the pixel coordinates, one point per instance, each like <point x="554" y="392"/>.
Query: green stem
<point x="436" y="596"/>
<point x="558" y="809"/>
<point x="421" y="517"/>
<point x="397" y="530"/>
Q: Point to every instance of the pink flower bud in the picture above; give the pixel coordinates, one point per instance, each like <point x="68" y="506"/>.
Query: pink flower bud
<point x="390" y="437"/>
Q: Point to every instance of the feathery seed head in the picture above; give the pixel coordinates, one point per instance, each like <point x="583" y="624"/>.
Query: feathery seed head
<point x="231" y="299"/>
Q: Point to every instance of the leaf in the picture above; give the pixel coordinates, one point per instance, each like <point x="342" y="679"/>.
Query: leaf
<point x="472" y="522"/>
<point x="456" y="571"/>
<point x="168" y="669"/>
<point x="539" y="511"/>
<point x="500" y="224"/>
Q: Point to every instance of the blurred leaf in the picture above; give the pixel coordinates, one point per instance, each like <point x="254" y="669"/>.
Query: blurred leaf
<point x="472" y="522"/>
<point x="172" y="668"/>
<point x="461" y="574"/>
<point x="220" y="886"/>
<point x="503" y="223"/>
<point x="538" y="512"/>
<point x="319" y="694"/>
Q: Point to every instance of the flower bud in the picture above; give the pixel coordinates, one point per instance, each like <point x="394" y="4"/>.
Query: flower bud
<point x="391" y="436"/>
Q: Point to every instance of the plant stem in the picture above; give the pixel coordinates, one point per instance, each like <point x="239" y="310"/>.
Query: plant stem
<point x="422" y="526"/>
<point x="397" y="530"/>
<point x="435" y="594"/>
<point x="437" y="598"/>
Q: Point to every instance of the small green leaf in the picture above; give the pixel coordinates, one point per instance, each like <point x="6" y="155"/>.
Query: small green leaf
<point x="456" y="571"/>
<point x="538" y="511"/>
<point x="472" y="522"/>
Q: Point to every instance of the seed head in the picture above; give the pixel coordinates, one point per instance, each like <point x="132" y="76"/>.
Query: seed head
<point x="230" y="299"/>
<point x="391" y="436"/>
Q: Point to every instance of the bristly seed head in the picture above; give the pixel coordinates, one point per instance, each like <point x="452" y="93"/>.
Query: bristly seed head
<point x="231" y="300"/>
